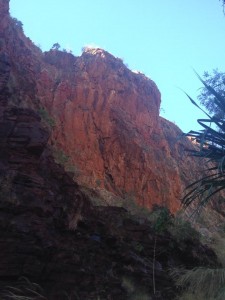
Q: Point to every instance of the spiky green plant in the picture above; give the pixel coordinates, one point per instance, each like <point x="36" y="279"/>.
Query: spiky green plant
<point x="211" y="141"/>
<point x="23" y="290"/>
<point x="207" y="282"/>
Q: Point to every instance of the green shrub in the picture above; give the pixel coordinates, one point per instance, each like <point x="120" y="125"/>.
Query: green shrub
<point x="17" y="24"/>
<point x="23" y="290"/>
<point x="182" y="230"/>
<point x="63" y="159"/>
<point x="160" y="217"/>
<point x="60" y="156"/>
<point x="56" y="47"/>
<point x="218" y="245"/>
<point x="134" y="291"/>
<point x="129" y="203"/>
<point x="98" y="182"/>
<point x="207" y="282"/>
<point x="46" y="118"/>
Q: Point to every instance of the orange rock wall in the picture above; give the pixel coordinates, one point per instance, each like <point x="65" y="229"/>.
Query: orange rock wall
<point x="107" y="117"/>
<point x="108" y="122"/>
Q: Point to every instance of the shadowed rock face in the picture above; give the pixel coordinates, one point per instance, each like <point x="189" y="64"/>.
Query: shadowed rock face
<point x="4" y="15"/>
<point x="50" y="234"/>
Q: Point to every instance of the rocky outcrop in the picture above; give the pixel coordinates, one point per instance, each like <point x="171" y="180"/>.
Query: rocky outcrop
<point x="108" y="122"/>
<point x="50" y="234"/>
<point x="4" y="15"/>
<point x="106" y="118"/>
<point x="4" y="70"/>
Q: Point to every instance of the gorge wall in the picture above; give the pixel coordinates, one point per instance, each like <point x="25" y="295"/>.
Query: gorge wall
<point x="106" y="118"/>
<point x="54" y="243"/>
<point x="107" y="121"/>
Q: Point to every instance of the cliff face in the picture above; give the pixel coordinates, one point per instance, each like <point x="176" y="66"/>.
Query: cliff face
<point x="107" y="118"/>
<point x="108" y="122"/>
<point x="52" y="236"/>
<point x="4" y="15"/>
<point x="50" y="233"/>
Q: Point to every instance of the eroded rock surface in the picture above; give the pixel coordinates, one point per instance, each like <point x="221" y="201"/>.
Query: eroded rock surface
<point x="108" y="122"/>
<point x="106" y="118"/>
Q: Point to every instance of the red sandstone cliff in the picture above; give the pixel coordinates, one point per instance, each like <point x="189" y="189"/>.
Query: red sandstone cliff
<point x="107" y="118"/>
<point x="50" y="233"/>
<point x="108" y="122"/>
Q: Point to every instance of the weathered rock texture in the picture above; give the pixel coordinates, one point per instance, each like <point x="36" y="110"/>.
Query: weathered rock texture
<point x="49" y="232"/>
<point x="107" y="118"/>
<point x="108" y="122"/>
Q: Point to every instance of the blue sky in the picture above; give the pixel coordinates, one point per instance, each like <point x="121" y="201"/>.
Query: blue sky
<point x="164" y="39"/>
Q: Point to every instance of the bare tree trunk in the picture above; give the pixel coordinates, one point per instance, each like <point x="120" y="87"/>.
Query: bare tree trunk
<point x="153" y="266"/>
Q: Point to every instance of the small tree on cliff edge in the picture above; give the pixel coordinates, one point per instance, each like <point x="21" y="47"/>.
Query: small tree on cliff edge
<point x="216" y="80"/>
<point x="56" y="47"/>
<point x="211" y="141"/>
<point x="223" y="3"/>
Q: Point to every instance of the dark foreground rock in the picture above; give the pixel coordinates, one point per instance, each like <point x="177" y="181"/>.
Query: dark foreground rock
<point x="51" y="235"/>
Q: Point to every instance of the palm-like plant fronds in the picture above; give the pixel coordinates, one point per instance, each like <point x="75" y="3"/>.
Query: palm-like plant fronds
<point x="205" y="281"/>
<point x="211" y="146"/>
<point x="23" y="290"/>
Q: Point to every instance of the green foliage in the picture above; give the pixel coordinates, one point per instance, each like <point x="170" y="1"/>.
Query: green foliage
<point x="46" y="118"/>
<point x="56" y="47"/>
<point x="72" y="168"/>
<point x="217" y="81"/>
<point x="182" y="231"/>
<point x="161" y="218"/>
<point x="218" y="246"/>
<point x="63" y="159"/>
<point x="18" y="24"/>
<point x="129" y="203"/>
<point x="23" y="290"/>
<point x="134" y="291"/>
<point x="67" y="51"/>
<point x="223" y="4"/>
<point x="60" y="156"/>
<point x="211" y="142"/>
<point x="206" y="282"/>
<point x="98" y="182"/>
